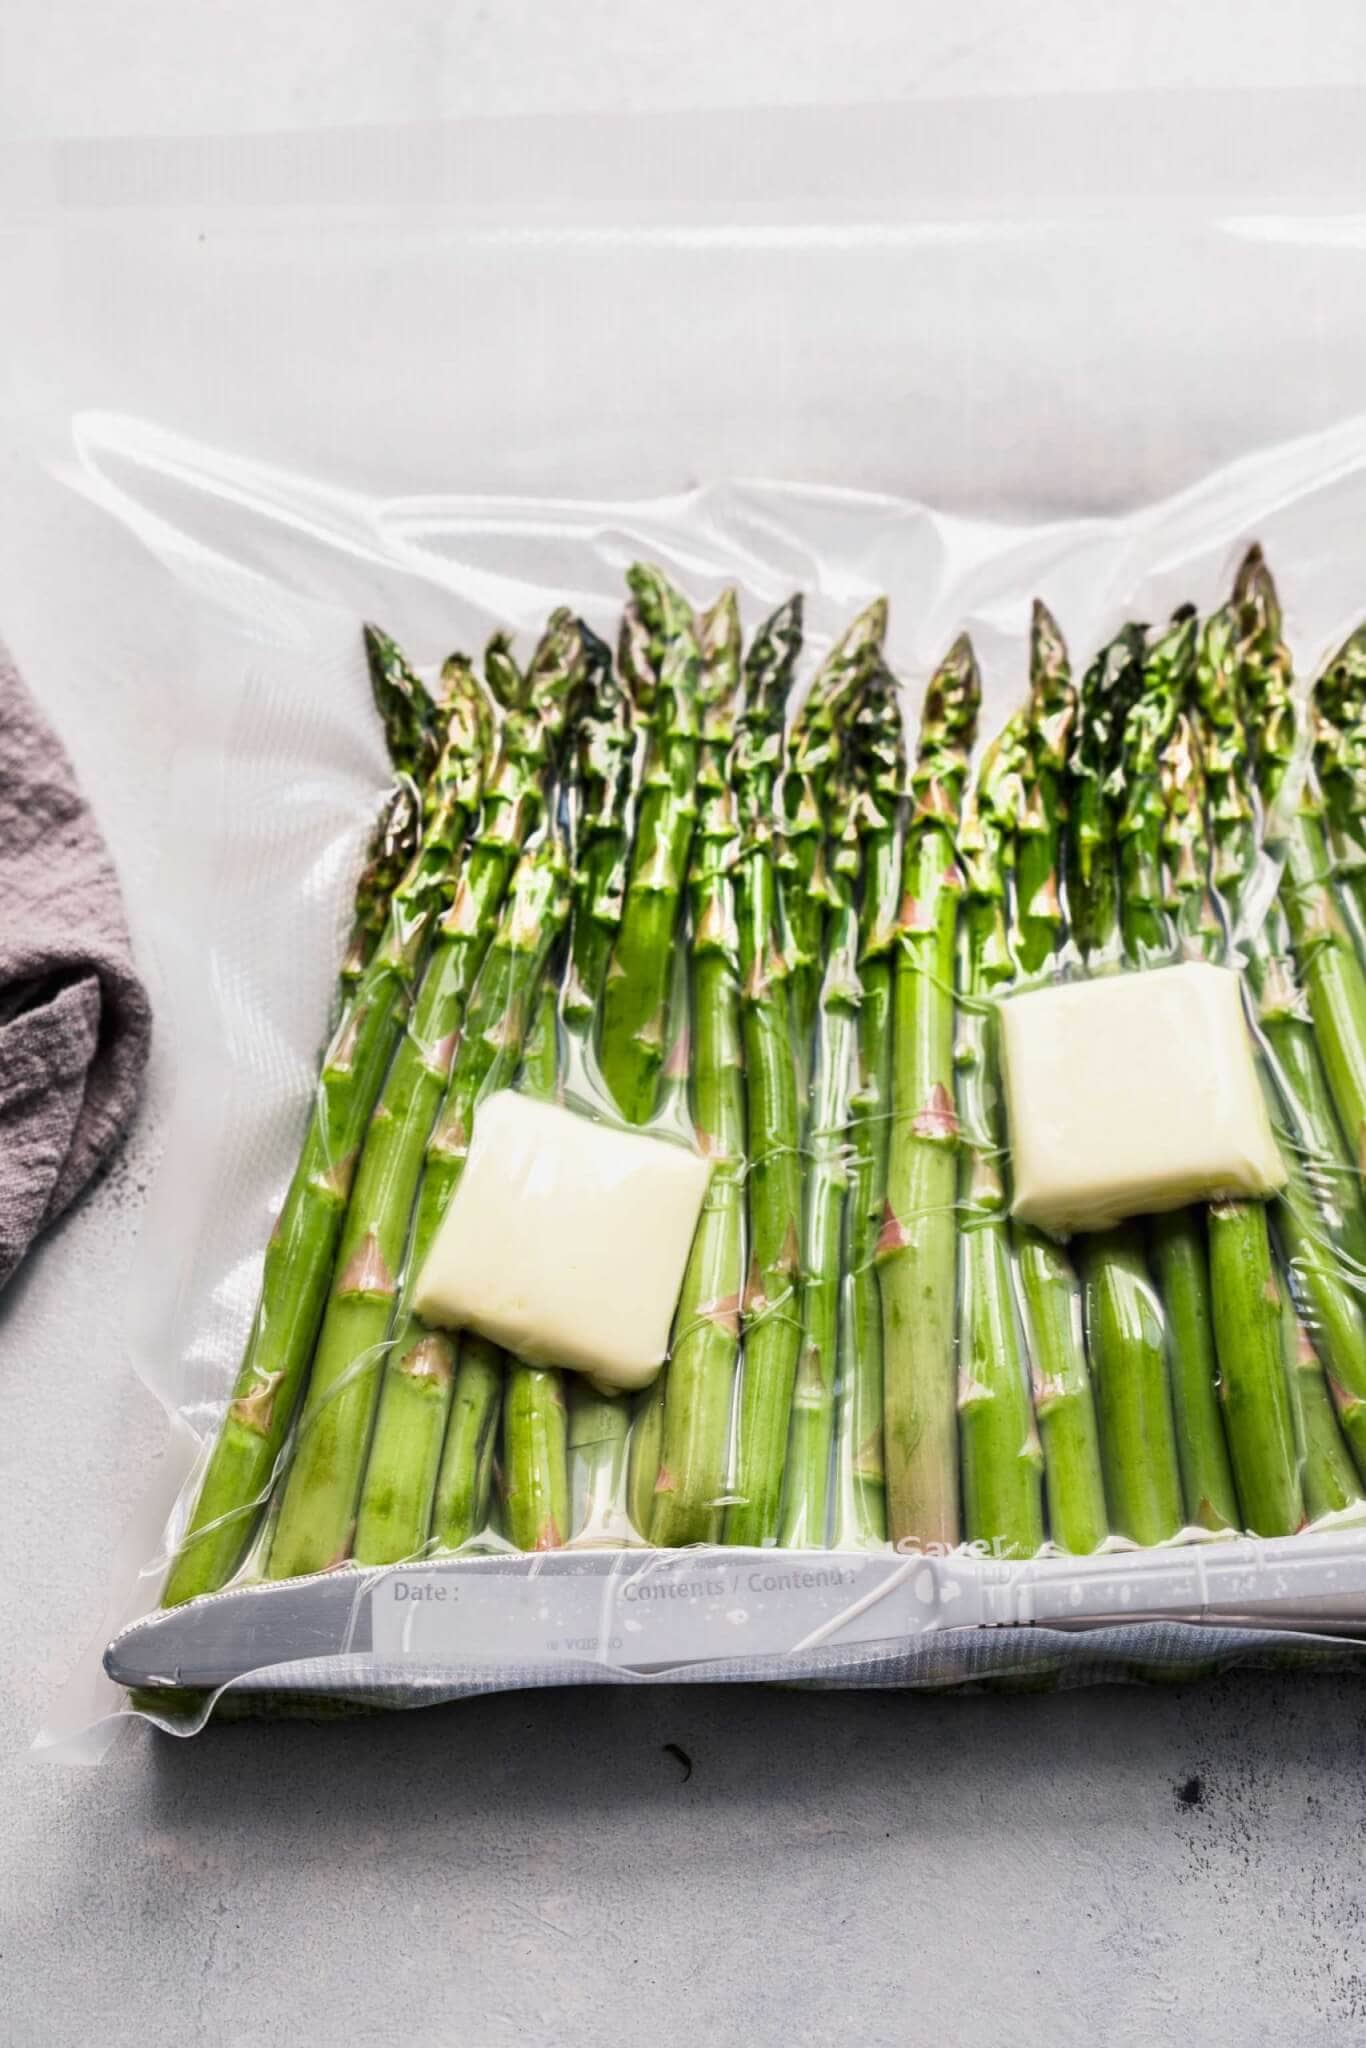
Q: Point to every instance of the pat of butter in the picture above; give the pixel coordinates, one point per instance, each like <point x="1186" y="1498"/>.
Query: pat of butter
<point x="566" y="1240"/>
<point x="1133" y="1093"/>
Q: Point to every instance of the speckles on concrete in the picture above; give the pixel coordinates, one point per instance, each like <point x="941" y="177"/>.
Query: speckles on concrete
<point x="864" y="1867"/>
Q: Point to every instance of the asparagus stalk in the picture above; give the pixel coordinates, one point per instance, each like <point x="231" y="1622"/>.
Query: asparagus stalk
<point x="1189" y="902"/>
<point x="1331" y="1302"/>
<point x="1179" y="1245"/>
<point x="392" y="843"/>
<point x="605" y="790"/>
<point x="413" y="722"/>
<point x="1142" y="816"/>
<point x="770" y="1317"/>
<point x="1252" y="1385"/>
<point x="599" y="1443"/>
<point x="860" y="1508"/>
<point x="820" y="872"/>
<point x="1049" y="723"/>
<point x="1109" y="688"/>
<point x="351" y="1365"/>
<point x="1328" y="1475"/>
<point x="1119" y="739"/>
<point x="1333" y="976"/>
<point x="635" y="997"/>
<point x="464" y="1483"/>
<point x="299" y="1257"/>
<point x="413" y="727"/>
<point x="645" y="1457"/>
<point x="687" y="1495"/>
<point x="805" y="889"/>
<point x="1064" y="1402"/>
<point x="608" y="761"/>
<point x="1125" y="1336"/>
<point x="811" y="1435"/>
<point x="917" y="1247"/>
<point x="1181" y="1255"/>
<point x="1340" y="757"/>
<point x="1001" y="1455"/>
<point x="646" y="1449"/>
<point x="535" y="1463"/>
<point x="535" y="1456"/>
<point x="645" y="987"/>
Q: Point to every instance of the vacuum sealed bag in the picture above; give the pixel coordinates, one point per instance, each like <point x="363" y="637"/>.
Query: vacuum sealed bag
<point x="836" y="1150"/>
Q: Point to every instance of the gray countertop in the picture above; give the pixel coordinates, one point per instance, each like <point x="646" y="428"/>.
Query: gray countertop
<point x="1118" y="1866"/>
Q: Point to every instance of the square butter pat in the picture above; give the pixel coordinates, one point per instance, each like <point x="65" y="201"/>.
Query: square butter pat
<point x="1133" y="1093"/>
<point x="566" y="1240"/>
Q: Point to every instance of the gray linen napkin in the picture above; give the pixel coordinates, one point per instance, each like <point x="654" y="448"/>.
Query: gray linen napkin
<point x="74" y="1018"/>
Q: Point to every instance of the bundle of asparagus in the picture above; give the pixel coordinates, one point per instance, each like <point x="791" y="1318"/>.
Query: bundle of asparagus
<point x="676" y="892"/>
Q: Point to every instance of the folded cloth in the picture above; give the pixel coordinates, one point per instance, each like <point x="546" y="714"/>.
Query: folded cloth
<point x="74" y="1018"/>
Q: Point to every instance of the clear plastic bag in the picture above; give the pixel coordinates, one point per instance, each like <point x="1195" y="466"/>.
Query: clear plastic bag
<point x="567" y="328"/>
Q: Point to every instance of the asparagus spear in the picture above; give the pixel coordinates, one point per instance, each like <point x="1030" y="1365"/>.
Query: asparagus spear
<point x="599" y="1442"/>
<point x="350" y="1364"/>
<point x="460" y="1506"/>
<point x="635" y="997"/>
<point x="1064" y="1403"/>
<point x="1125" y="1334"/>
<point x="1340" y="757"/>
<point x="1189" y="902"/>
<point x="819" y="871"/>
<point x="1110" y="686"/>
<point x="1330" y="1298"/>
<point x="688" y="1492"/>
<point x="1064" y="1400"/>
<point x="1328" y="1475"/>
<point x="806" y="1492"/>
<point x="608" y="761"/>
<point x="1049" y="723"/>
<point x="1181" y="1245"/>
<point x="917" y="1247"/>
<point x="860" y="1509"/>
<point x="535" y="1456"/>
<point x="413" y="726"/>
<point x="771" y="1323"/>
<point x="646" y="1449"/>
<point x="1002" y="1460"/>
<point x="814" y="749"/>
<point x="535" y="1463"/>
<point x="1123" y="1319"/>
<point x="389" y="851"/>
<point x="1333" y="976"/>
<point x="605" y="741"/>
<point x="1252" y="1385"/>
<point x="1142" y="815"/>
<point x="413" y="723"/>
<point x="299" y="1258"/>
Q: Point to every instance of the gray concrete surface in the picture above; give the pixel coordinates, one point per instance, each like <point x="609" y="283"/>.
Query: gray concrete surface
<point x="1118" y="1867"/>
